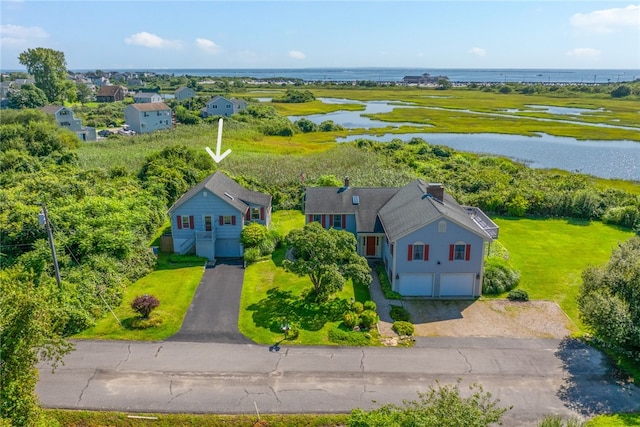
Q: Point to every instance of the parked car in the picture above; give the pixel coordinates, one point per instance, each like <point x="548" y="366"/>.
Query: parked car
<point x="105" y="132"/>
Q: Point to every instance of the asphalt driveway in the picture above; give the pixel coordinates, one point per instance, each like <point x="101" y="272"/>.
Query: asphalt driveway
<point x="213" y="313"/>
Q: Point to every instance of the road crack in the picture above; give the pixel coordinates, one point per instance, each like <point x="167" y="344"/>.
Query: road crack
<point x="86" y="386"/>
<point x="158" y="351"/>
<point x="470" y="368"/>
<point x="126" y="359"/>
<point x="173" y="397"/>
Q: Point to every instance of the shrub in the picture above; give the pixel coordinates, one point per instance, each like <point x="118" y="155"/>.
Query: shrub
<point x="399" y="313"/>
<point x="403" y="328"/>
<point x="369" y="318"/>
<point x="385" y="284"/>
<point x="252" y="255"/>
<point x="557" y="421"/>
<point x="267" y="246"/>
<point x="340" y="336"/>
<point x="294" y="331"/>
<point x="142" y="323"/>
<point x="253" y="235"/>
<point x="358" y="307"/>
<point x="499" y="277"/>
<point x="350" y="319"/>
<point x="144" y="304"/>
<point x="370" y="305"/>
<point x="518" y="295"/>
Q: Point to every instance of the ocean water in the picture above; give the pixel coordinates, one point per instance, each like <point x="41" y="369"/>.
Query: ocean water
<point x="585" y="76"/>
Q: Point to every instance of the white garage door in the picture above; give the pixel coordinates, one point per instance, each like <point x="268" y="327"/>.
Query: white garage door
<point x="226" y="248"/>
<point x="456" y="284"/>
<point x="416" y="285"/>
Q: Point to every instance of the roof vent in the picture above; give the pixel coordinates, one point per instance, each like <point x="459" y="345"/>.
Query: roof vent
<point x="228" y="195"/>
<point x="355" y="200"/>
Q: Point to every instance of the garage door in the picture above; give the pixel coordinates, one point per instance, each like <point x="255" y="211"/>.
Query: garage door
<point x="456" y="284"/>
<point x="228" y="248"/>
<point x="416" y="285"/>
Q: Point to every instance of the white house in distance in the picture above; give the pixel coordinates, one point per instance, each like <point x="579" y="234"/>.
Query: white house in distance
<point x="221" y="106"/>
<point x="146" y="97"/>
<point x="148" y="117"/>
<point x="65" y="118"/>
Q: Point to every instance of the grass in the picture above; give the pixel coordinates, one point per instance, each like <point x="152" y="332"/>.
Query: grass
<point x="173" y="283"/>
<point x="615" y="420"/>
<point x="270" y="295"/>
<point x="552" y="253"/>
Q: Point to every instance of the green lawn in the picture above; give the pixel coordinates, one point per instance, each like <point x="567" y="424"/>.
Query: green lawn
<point x="551" y="254"/>
<point x="173" y="283"/>
<point x="615" y="420"/>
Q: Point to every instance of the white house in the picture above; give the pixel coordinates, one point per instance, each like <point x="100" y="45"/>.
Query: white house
<point x="148" y="117"/>
<point x="65" y="118"/>
<point x="146" y="97"/>
<point x="221" y="106"/>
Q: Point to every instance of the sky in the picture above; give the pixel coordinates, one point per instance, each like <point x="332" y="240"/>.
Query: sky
<point x="161" y="34"/>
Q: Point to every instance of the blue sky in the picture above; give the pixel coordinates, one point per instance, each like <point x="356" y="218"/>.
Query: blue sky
<point x="304" y="34"/>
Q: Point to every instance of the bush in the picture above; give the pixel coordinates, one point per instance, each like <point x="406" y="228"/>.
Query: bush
<point x="399" y="313"/>
<point x="369" y="318"/>
<point x="358" y="307"/>
<point x="350" y="319"/>
<point x="370" y="305"/>
<point x="403" y="328"/>
<point x="253" y="235"/>
<point x="267" y="246"/>
<point x="518" y="295"/>
<point x="252" y="255"/>
<point x="557" y="421"/>
<point x="385" y="284"/>
<point x="340" y="336"/>
<point x="144" y="304"/>
<point x="499" y="277"/>
<point x="142" y="323"/>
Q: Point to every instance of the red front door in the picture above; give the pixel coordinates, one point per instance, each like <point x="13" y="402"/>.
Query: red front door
<point x="371" y="245"/>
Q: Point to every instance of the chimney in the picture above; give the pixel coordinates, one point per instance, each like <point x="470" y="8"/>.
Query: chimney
<point x="346" y="182"/>
<point x="436" y="190"/>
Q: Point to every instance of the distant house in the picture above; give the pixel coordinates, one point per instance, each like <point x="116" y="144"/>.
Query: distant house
<point x="148" y="117"/>
<point x="221" y="106"/>
<point x="430" y="245"/>
<point x="183" y="93"/>
<point x="208" y="219"/>
<point x="425" y="78"/>
<point x="146" y="97"/>
<point x="65" y="118"/>
<point x="100" y="81"/>
<point x="110" y="94"/>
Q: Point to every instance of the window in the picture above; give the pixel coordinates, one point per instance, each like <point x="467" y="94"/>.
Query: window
<point x="458" y="252"/>
<point x="337" y="221"/>
<point x="63" y="112"/>
<point x="146" y="114"/>
<point x="65" y="124"/>
<point x="185" y="222"/>
<point x="317" y="218"/>
<point x="207" y="223"/>
<point x="255" y="213"/>
<point x="418" y="252"/>
<point x="442" y="227"/>
<point x="214" y="106"/>
<point x="226" y="220"/>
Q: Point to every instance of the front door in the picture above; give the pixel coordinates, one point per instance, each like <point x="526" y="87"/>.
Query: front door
<point x="371" y="245"/>
<point x="207" y="223"/>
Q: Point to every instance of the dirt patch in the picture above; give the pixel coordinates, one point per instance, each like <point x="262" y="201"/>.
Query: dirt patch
<point x="485" y="318"/>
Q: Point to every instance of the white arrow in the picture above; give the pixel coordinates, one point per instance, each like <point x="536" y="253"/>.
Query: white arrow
<point x="217" y="157"/>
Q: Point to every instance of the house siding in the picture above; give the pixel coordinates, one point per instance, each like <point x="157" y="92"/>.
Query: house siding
<point x="221" y="106"/>
<point x="147" y="121"/>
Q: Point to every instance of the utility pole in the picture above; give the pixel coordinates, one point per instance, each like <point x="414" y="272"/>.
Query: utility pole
<point x="44" y="220"/>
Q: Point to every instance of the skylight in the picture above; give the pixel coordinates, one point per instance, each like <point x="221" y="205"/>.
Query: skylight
<point x="228" y="195"/>
<point x="355" y="200"/>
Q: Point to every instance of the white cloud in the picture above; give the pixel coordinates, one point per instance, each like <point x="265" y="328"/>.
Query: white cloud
<point x="19" y="36"/>
<point x="296" y="54"/>
<point x="585" y="52"/>
<point x="608" y="20"/>
<point x="207" y="46"/>
<point x="151" y="40"/>
<point x="478" y="51"/>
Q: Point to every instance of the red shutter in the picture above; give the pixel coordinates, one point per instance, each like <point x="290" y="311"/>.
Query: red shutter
<point x="451" y="252"/>
<point x="179" y="222"/>
<point x="262" y="214"/>
<point x="330" y="221"/>
<point x="467" y="255"/>
<point x="426" y="252"/>
<point x="324" y="221"/>
<point x="233" y="220"/>
<point x="247" y="216"/>
<point x="221" y="220"/>
<point x="309" y="218"/>
<point x="191" y="222"/>
<point x="410" y="253"/>
<point x="344" y="221"/>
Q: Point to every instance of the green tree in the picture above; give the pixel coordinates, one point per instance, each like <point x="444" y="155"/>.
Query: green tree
<point x="253" y="235"/>
<point x="84" y="93"/>
<point x="621" y="91"/>
<point x="609" y="299"/>
<point x="29" y="333"/>
<point x="439" y="407"/>
<point x="49" y="69"/>
<point x="328" y="257"/>
<point x="28" y="96"/>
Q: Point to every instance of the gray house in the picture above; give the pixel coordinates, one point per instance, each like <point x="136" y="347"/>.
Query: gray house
<point x="183" y="93"/>
<point x="430" y="245"/>
<point x="148" y="117"/>
<point x="65" y="118"/>
<point x="209" y="218"/>
<point x="146" y="97"/>
<point x="221" y="106"/>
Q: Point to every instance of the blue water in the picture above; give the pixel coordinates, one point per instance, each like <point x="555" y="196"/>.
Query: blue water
<point x="587" y="76"/>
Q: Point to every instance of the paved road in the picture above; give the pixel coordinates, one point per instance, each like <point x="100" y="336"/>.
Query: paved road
<point x="213" y="314"/>
<point x="537" y="377"/>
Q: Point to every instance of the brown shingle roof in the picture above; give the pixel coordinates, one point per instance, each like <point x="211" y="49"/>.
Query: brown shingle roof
<point x="151" y="106"/>
<point x="109" y="90"/>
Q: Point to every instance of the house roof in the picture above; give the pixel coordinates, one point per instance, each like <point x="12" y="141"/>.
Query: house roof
<point x="109" y="90"/>
<point x="51" y="109"/>
<point x="228" y="190"/>
<point x="145" y="95"/>
<point x="332" y="200"/>
<point x="150" y="106"/>
<point x="182" y="89"/>
<point x="412" y="207"/>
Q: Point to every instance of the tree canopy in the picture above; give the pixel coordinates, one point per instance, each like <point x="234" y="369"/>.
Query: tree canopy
<point x="609" y="299"/>
<point x="49" y="69"/>
<point x="328" y="257"/>
<point x="28" y="96"/>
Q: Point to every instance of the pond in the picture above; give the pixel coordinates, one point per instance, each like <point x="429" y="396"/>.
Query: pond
<point x="605" y="159"/>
